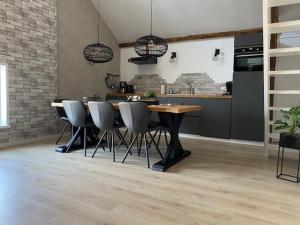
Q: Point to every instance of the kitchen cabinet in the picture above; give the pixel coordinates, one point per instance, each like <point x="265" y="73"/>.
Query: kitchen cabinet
<point x="212" y="121"/>
<point x="247" y="116"/>
<point x="255" y="39"/>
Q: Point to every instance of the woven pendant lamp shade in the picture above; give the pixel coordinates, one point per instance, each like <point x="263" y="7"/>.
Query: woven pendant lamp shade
<point x="151" y="46"/>
<point x="98" y="53"/>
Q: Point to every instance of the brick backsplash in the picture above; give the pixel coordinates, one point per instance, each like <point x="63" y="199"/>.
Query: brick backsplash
<point x="28" y="44"/>
<point x="200" y="82"/>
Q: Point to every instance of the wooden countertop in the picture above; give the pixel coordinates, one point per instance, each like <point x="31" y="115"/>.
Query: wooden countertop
<point x="115" y="94"/>
<point x="158" y="108"/>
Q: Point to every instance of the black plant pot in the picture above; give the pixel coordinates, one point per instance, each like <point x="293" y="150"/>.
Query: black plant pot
<point x="288" y="140"/>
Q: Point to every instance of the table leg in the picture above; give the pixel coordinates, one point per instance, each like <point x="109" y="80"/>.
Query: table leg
<point x="175" y="152"/>
<point x="77" y="142"/>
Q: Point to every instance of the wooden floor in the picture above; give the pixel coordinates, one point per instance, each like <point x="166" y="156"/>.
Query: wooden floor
<point x="218" y="184"/>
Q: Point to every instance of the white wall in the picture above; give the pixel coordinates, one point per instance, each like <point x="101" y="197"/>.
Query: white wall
<point x="193" y="57"/>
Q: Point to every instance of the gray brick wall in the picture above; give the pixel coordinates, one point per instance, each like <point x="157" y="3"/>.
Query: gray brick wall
<point x="202" y="83"/>
<point x="28" y="44"/>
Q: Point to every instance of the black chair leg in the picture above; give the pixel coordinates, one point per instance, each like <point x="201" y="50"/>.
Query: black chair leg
<point x="62" y="133"/>
<point x="99" y="143"/>
<point x="73" y="139"/>
<point x="84" y="140"/>
<point x="130" y="147"/>
<point x="146" y="150"/>
<point x="122" y="141"/>
<point x="156" y="146"/>
<point x="154" y="136"/>
<point x="122" y="138"/>
<point x="113" y="145"/>
<point x="140" y="145"/>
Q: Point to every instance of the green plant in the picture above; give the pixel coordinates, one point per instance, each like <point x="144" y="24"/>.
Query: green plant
<point x="150" y="94"/>
<point x="291" y="120"/>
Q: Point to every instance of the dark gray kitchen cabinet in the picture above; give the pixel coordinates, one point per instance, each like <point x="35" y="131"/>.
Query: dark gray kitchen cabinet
<point x="255" y="39"/>
<point x="191" y="125"/>
<point x="216" y="118"/>
<point x="247" y="117"/>
<point x="212" y="121"/>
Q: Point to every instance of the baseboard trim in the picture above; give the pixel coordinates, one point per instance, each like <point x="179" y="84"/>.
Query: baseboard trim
<point x="221" y="140"/>
<point x="27" y="141"/>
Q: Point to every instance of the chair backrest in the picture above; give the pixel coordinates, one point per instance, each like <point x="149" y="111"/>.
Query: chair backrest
<point x="59" y="110"/>
<point x="76" y="113"/>
<point x="135" y="115"/>
<point x="102" y="114"/>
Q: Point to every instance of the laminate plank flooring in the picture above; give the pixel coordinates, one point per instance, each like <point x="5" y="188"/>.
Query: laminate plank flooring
<point x="218" y="184"/>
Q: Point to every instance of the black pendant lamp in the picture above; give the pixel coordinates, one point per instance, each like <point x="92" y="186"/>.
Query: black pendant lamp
<point x="151" y="45"/>
<point x="98" y="53"/>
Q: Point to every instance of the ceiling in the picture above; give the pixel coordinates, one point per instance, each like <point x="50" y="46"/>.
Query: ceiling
<point x="130" y="19"/>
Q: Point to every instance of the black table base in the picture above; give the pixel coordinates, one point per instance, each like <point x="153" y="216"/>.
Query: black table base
<point x="92" y="140"/>
<point x="175" y="152"/>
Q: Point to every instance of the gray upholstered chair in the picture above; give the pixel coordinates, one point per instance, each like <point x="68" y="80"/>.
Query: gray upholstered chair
<point x="136" y="118"/>
<point x="77" y="116"/>
<point x="103" y="116"/>
<point x="63" y="117"/>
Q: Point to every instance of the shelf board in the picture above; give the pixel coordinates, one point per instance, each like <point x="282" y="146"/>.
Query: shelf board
<point x="283" y="27"/>
<point x="279" y="108"/>
<point x="276" y="3"/>
<point x="285" y="92"/>
<point x="284" y="51"/>
<point x="284" y="72"/>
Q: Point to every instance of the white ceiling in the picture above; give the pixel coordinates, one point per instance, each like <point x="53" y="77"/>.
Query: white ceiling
<point x="130" y="19"/>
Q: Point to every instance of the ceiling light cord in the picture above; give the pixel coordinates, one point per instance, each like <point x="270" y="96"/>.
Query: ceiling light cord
<point x="98" y="21"/>
<point x="151" y="16"/>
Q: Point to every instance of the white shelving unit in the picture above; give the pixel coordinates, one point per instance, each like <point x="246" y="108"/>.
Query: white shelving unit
<point x="269" y="29"/>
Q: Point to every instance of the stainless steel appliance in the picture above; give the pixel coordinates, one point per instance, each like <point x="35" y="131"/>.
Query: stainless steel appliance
<point x="249" y="58"/>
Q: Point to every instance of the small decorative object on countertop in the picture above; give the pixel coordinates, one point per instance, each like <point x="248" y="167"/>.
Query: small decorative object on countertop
<point x="288" y="140"/>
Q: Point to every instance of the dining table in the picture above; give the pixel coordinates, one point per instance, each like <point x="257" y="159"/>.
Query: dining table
<point x="171" y="116"/>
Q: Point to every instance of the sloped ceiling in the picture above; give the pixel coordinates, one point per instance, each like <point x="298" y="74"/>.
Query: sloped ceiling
<point x="130" y="19"/>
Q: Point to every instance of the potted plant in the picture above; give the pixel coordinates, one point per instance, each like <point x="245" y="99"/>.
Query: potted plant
<point x="150" y="94"/>
<point x="290" y="122"/>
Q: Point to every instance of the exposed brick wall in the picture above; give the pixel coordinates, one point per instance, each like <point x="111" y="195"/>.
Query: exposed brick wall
<point x="28" y="44"/>
<point x="200" y="82"/>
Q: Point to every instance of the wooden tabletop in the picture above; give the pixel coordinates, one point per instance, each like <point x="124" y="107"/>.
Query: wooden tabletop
<point x="177" y="109"/>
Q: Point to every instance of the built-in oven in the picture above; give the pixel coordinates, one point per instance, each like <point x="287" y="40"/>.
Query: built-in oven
<point x="249" y="58"/>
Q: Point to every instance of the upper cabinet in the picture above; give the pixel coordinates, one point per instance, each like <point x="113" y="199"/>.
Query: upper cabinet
<point x="254" y="39"/>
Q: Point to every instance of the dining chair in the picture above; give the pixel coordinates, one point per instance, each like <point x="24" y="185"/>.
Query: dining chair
<point x="103" y="115"/>
<point x="63" y="117"/>
<point x="77" y="116"/>
<point x="136" y="118"/>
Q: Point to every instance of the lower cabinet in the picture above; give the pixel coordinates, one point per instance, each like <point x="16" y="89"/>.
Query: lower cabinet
<point x="191" y="125"/>
<point x="212" y="121"/>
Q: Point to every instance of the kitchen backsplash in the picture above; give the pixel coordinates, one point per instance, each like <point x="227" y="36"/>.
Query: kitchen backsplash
<point x="200" y="83"/>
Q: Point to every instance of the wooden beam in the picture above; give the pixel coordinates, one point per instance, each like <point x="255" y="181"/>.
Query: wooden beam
<point x="203" y="36"/>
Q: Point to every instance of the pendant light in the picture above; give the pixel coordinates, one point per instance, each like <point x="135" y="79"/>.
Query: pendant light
<point x="98" y="53"/>
<point x="151" y="46"/>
